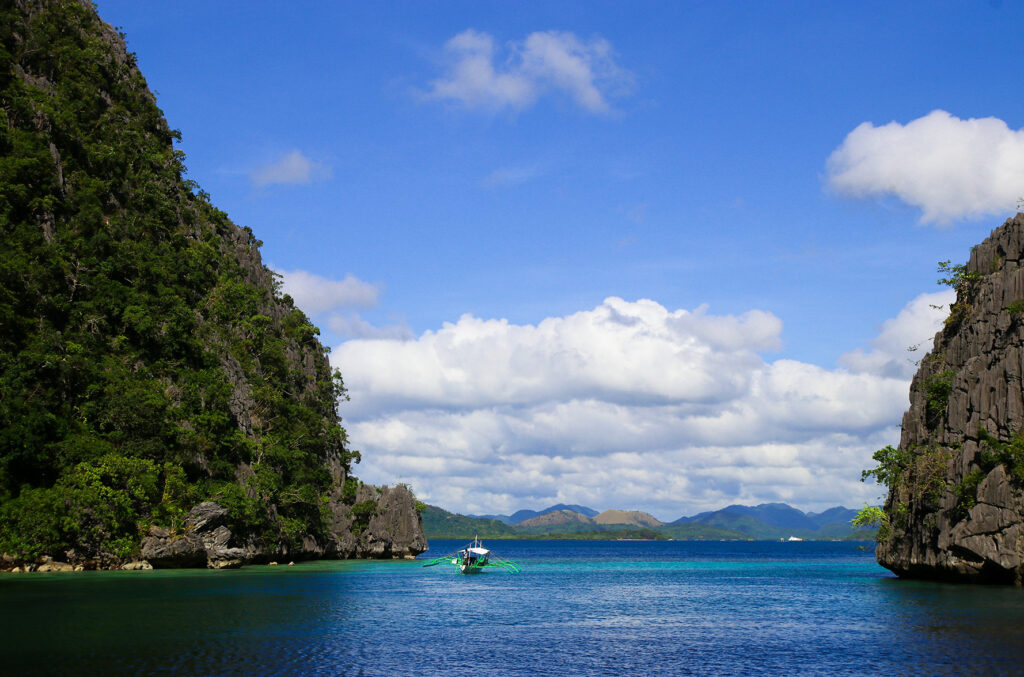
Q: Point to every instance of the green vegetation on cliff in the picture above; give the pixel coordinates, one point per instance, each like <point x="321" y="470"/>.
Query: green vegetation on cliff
<point x="147" y="358"/>
<point x="954" y="504"/>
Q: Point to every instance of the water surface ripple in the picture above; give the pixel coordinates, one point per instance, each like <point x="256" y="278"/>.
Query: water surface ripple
<point x="581" y="608"/>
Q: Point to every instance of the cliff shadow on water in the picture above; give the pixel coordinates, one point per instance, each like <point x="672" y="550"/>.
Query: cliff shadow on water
<point x="955" y="508"/>
<point x="160" y="398"/>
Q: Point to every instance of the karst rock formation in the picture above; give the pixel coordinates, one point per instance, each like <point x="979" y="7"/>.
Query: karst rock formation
<point x="955" y="507"/>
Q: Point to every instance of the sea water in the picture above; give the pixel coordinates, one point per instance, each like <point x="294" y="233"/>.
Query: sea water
<point x="577" y="608"/>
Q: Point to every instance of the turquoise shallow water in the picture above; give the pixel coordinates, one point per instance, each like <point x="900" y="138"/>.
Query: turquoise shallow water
<point x="579" y="608"/>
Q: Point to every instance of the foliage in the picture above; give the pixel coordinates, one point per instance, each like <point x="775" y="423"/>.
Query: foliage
<point x="873" y="517"/>
<point x="891" y="464"/>
<point x="958" y="276"/>
<point x="361" y="514"/>
<point x="993" y="452"/>
<point x="966" y="491"/>
<point x="32" y="523"/>
<point x="927" y="476"/>
<point x="147" y="359"/>
<point x="938" y="388"/>
<point x="177" y="496"/>
<point x="921" y="470"/>
<point x="97" y="507"/>
<point x="963" y="281"/>
<point x="349" y="489"/>
<point x="1015" y="308"/>
<point x="1010" y="454"/>
<point x="900" y="518"/>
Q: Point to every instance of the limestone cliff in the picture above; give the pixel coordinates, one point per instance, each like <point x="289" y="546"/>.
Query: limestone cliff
<point x="159" y="395"/>
<point x="390" y="527"/>
<point x="956" y="500"/>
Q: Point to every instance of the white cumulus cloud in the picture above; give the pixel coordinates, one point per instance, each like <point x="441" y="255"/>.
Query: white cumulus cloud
<point x="480" y="75"/>
<point x="627" y="405"/>
<point x="351" y="325"/>
<point x="293" y="168"/>
<point x="315" y="294"/>
<point x="619" y="352"/>
<point x="904" y="339"/>
<point x="948" y="167"/>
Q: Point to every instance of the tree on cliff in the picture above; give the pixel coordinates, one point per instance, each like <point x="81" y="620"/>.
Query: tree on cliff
<point x="148" y="360"/>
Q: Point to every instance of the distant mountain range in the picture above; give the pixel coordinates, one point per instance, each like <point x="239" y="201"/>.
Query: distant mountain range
<point x="736" y="522"/>
<point x="523" y="515"/>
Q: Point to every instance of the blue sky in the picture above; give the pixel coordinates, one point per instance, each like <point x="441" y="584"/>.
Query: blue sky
<point x="517" y="164"/>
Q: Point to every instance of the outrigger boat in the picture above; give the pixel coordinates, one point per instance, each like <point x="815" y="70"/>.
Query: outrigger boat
<point x="474" y="558"/>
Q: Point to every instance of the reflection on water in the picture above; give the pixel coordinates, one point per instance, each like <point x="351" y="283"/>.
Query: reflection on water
<point x="577" y="608"/>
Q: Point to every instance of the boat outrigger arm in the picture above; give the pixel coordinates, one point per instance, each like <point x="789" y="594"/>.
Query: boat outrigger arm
<point x="473" y="558"/>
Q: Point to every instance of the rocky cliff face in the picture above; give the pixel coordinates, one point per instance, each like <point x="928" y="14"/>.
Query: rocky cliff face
<point x="160" y="397"/>
<point x="393" y="529"/>
<point x="956" y="499"/>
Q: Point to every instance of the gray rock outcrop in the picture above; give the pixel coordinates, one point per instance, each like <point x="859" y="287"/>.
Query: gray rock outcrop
<point x="389" y="527"/>
<point x="956" y="504"/>
<point x="395" y="529"/>
<point x="204" y="541"/>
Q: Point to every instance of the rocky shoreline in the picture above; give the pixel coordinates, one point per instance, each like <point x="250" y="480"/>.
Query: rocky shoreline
<point x="394" y="530"/>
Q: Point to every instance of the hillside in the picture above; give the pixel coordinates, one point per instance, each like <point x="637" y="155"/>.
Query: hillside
<point x="629" y="517"/>
<point x="955" y="508"/>
<point x="767" y="521"/>
<point x="776" y="520"/>
<point x="547" y="524"/>
<point x="439" y="523"/>
<point x="556" y="518"/>
<point x="523" y="515"/>
<point x="160" y="397"/>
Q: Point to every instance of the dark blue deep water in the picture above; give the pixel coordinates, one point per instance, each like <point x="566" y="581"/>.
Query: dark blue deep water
<point x="577" y="608"/>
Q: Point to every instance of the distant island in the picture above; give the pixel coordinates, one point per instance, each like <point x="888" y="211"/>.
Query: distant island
<point x="736" y="522"/>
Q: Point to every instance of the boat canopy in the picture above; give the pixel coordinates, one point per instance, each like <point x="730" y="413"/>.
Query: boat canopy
<point x="473" y="557"/>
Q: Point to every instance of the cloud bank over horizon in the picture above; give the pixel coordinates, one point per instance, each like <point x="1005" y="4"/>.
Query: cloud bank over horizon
<point x="627" y="405"/>
<point x="948" y="167"/>
<point x="482" y="76"/>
